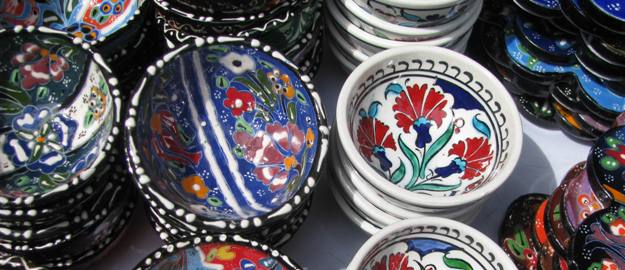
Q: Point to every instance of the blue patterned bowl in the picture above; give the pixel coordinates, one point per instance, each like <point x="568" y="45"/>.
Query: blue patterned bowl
<point x="428" y="127"/>
<point x="225" y="133"/>
<point x="59" y="113"/>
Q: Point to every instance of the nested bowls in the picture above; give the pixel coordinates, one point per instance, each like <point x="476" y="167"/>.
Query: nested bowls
<point x="224" y="134"/>
<point x="63" y="186"/>
<point x="217" y="252"/>
<point x="358" y="34"/>
<point x="427" y="130"/>
<point x="430" y="243"/>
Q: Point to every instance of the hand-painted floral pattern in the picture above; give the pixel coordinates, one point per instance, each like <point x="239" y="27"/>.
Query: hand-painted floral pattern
<point x="238" y="63"/>
<point x="442" y="150"/>
<point x="397" y="261"/>
<point x="239" y="102"/>
<point x="273" y="152"/>
<point x="39" y="140"/>
<point x="472" y="157"/>
<point x="195" y="185"/>
<point x="19" y="12"/>
<point x="39" y="65"/>
<point x="419" y="107"/>
<point x="169" y="141"/>
<point x="374" y="137"/>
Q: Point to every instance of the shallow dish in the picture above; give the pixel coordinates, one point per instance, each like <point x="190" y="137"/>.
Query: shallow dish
<point x="387" y="30"/>
<point x="252" y="109"/>
<point x="371" y="41"/>
<point x="430" y="241"/>
<point x="60" y="115"/>
<point x="416" y="17"/>
<point x="466" y="116"/>
<point x="217" y="252"/>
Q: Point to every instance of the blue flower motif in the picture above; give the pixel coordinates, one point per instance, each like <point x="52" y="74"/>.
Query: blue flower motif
<point x="85" y="162"/>
<point x="39" y="139"/>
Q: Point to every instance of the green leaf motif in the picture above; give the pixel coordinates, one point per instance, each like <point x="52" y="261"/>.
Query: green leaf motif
<point x="414" y="161"/>
<point x="222" y="82"/>
<point x="301" y="98"/>
<point x="242" y="125"/>
<point x="254" y="88"/>
<point x="434" y="187"/>
<point x="453" y="263"/>
<point x="398" y="174"/>
<point x="266" y="86"/>
<point x="435" y="148"/>
<point x="292" y="112"/>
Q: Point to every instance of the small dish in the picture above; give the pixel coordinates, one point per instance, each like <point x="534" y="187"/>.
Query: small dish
<point x="515" y="234"/>
<point x="598" y="239"/>
<point x="414" y="17"/>
<point x="387" y="30"/>
<point x="370" y="42"/>
<point x="606" y="13"/>
<point x="254" y="98"/>
<point x="426" y="241"/>
<point x="367" y="109"/>
<point x="580" y="201"/>
<point x="219" y="252"/>
<point x="606" y="165"/>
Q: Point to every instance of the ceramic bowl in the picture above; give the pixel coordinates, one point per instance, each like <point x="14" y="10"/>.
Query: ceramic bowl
<point x="414" y="17"/>
<point x="605" y="166"/>
<point x="387" y="30"/>
<point x="59" y="118"/>
<point x="252" y="109"/>
<point x="430" y="242"/>
<point x="218" y="252"/>
<point x="230" y="8"/>
<point x="367" y="42"/>
<point x="467" y="130"/>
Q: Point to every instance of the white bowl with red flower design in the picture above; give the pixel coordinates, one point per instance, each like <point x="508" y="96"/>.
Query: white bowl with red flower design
<point x="430" y="243"/>
<point x="428" y="127"/>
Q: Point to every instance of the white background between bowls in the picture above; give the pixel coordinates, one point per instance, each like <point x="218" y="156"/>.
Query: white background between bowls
<point x="328" y="239"/>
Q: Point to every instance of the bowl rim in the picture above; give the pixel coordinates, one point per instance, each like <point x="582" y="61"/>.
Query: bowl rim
<point x="424" y="32"/>
<point x="412" y="4"/>
<point x="153" y="197"/>
<point x="339" y="18"/>
<point x="28" y="203"/>
<point x="429" y="224"/>
<point x="374" y="178"/>
<point x="163" y="252"/>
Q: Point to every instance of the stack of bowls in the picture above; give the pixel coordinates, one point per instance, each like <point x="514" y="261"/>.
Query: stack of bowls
<point x="217" y="252"/>
<point x="115" y="29"/>
<point x="360" y="28"/>
<point x="566" y="69"/>
<point x="430" y="243"/>
<point x="421" y="131"/>
<point x="292" y="27"/>
<point x="225" y="135"/>
<point x="580" y="222"/>
<point x="64" y="195"/>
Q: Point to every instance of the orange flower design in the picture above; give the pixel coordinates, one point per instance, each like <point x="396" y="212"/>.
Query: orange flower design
<point x="195" y="185"/>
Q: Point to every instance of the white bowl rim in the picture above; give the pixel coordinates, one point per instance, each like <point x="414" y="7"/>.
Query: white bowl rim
<point x="344" y="44"/>
<point x="351" y="214"/>
<point x="441" y="29"/>
<point x="425" y="221"/>
<point x="374" y="40"/>
<point x="372" y="176"/>
<point x="347" y="64"/>
<point x="421" y="4"/>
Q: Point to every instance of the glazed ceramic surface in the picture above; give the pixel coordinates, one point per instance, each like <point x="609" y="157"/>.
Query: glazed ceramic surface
<point x="430" y="243"/>
<point x="580" y="201"/>
<point x="90" y="20"/>
<point x="414" y="17"/>
<point x="600" y="239"/>
<point x="515" y="234"/>
<point x="226" y="132"/>
<point x="423" y="127"/>
<point x="606" y="163"/>
<point x="593" y="87"/>
<point x="229" y="8"/>
<point x="58" y="110"/>
<point x="216" y="252"/>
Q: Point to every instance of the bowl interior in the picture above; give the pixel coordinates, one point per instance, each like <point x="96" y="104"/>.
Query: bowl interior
<point x="89" y="20"/>
<point x="226" y="131"/>
<point x="56" y="113"/>
<point x="433" y="126"/>
<point x="435" y="246"/>
<point x="219" y="255"/>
